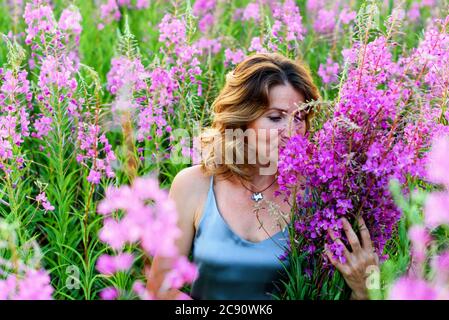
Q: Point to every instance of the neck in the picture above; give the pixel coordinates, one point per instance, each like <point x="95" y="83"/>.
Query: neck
<point x="258" y="181"/>
<point x="261" y="181"/>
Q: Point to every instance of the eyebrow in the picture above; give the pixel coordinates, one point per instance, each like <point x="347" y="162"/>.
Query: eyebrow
<point x="277" y="109"/>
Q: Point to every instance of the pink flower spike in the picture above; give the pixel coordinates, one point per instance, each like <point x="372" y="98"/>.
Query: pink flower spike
<point x="436" y="210"/>
<point x="42" y="198"/>
<point x="439" y="161"/>
<point x="123" y="261"/>
<point x="106" y="264"/>
<point x="109" y="293"/>
<point x="412" y="289"/>
<point x="94" y="177"/>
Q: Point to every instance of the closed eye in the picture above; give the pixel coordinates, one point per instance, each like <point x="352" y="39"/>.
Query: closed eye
<point x="275" y="119"/>
<point x="299" y="118"/>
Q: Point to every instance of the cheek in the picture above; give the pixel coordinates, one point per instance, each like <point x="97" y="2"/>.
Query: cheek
<point x="270" y="139"/>
<point x="302" y="129"/>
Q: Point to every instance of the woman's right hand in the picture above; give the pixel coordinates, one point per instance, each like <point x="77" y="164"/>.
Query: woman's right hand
<point x="174" y="294"/>
<point x="155" y="277"/>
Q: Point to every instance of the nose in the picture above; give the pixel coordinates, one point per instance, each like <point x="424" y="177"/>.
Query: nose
<point x="283" y="135"/>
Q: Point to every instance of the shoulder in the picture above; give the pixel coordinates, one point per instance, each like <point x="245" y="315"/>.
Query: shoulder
<point x="191" y="177"/>
<point x="189" y="190"/>
<point x="190" y="185"/>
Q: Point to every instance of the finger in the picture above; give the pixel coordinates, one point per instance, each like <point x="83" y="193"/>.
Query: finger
<point x="376" y="257"/>
<point x="336" y="263"/>
<point x="352" y="236"/>
<point x="364" y="234"/>
<point x="346" y="252"/>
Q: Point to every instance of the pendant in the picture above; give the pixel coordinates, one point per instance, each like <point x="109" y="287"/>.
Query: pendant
<point x="257" y="196"/>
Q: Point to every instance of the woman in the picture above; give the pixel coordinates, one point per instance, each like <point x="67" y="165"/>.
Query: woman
<point x="237" y="251"/>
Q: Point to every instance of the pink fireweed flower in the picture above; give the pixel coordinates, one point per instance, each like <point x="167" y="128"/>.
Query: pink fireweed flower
<point x="109" y="265"/>
<point x="110" y="9"/>
<point x="314" y="5"/>
<point x="94" y="177"/>
<point x="346" y="16"/>
<point x="152" y="95"/>
<point x="142" y="216"/>
<point x="208" y="46"/>
<point x="206" y="22"/>
<point x="142" y="4"/>
<point x="70" y="20"/>
<point x="252" y="11"/>
<point x="437" y="203"/>
<point x="21" y="278"/>
<point x="414" y="13"/>
<point x="204" y="10"/>
<point x="329" y="71"/>
<point x="58" y="72"/>
<point x="183" y="272"/>
<point x="114" y="234"/>
<point x="39" y="18"/>
<point x="428" y="3"/>
<point x="126" y="73"/>
<point x="35" y="286"/>
<point x="27" y="284"/>
<point x="288" y="20"/>
<point x="181" y="71"/>
<point x="47" y="37"/>
<point x="439" y="162"/>
<point x="172" y="31"/>
<point x="412" y="289"/>
<point x="432" y="285"/>
<point x="436" y="210"/>
<point x="163" y="89"/>
<point x="106" y="264"/>
<point x="348" y="163"/>
<point x="150" y="219"/>
<point x="432" y="54"/>
<point x="256" y="46"/>
<point x="56" y="60"/>
<point x="42" y="199"/>
<point x="140" y="289"/>
<point x="94" y="152"/>
<point x="325" y="21"/>
<point x="440" y="264"/>
<point x="15" y="97"/>
<point x="42" y="126"/>
<point x="233" y="57"/>
<point x="182" y="57"/>
<point x="201" y="6"/>
<point x="109" y="293"/>
<point x="420" y="239"/>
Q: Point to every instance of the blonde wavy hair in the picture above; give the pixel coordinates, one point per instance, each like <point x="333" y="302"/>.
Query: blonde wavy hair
<point x="243" y="99"/>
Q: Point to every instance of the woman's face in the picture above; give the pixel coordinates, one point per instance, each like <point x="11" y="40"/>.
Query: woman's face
<point x="272" y="128"/>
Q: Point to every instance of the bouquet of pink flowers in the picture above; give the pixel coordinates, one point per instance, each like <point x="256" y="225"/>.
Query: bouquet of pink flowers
<point x="376" y="133"/>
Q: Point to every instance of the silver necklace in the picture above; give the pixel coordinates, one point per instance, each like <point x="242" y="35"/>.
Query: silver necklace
<point x="257" y="195"/>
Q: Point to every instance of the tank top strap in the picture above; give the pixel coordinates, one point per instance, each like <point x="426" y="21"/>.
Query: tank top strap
<point x="211" y="185"/>
<point x="207" y="208"/>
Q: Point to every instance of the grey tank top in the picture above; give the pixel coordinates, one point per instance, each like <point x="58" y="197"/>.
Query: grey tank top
<point x="231" y="267"/>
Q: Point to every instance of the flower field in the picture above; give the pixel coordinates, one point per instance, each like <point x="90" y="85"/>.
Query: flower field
<point x="93" y="95"/>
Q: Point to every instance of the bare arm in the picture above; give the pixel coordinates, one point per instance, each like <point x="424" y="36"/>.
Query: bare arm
<point x="185" y="192"/>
